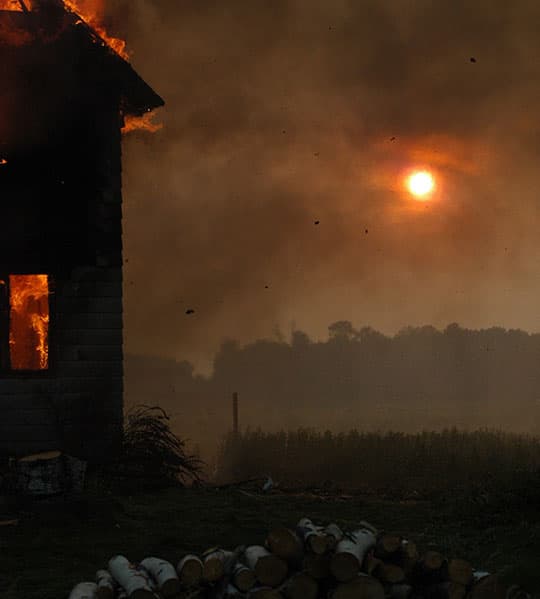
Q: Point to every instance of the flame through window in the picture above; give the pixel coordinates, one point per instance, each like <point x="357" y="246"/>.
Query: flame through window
<point x="29" y="322"/>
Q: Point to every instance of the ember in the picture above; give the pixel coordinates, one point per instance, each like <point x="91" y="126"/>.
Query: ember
<point x="29" y="322"/>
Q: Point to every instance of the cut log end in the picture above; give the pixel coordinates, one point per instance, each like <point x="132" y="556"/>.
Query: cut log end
<point x="317" y="566"/>
<point x="389" y="573"/>
<point x="170" y="588"/>
<point x="190" y="571"/>
<point x="284" y="543"/>
<point x="104" y="593"/>
<point x="300" y="586"/>
<point x="460" y="571"/>
<point x="432" y="560"/>
<point x="361" y="587"/>
<point x="318" y="544"/>
<point x="244" y="579"/>
<point x="271" y="570"/>
<point x="264" y="593"/>
<point x="213" y="570"/>
<point x="344" y="567"/>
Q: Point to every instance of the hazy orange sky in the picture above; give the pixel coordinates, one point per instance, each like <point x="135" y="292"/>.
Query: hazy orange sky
<point x="283" y="113"/>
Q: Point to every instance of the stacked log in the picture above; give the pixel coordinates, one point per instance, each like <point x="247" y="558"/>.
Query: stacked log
<point x="308" y="561"/>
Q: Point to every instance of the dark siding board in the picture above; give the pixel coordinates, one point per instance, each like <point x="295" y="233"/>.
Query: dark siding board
<point x="23" y="401"/>
<point x="91" y="289"/>
<point x="85" y="369"/>
<point x="96" y="322"/>
<point x="97" y="353"/>
<point x="90" y="385"/>
<point x="20" y="448"/>
<point x="30" y="403"/>
<point x="80" y="337"/>
<point x="61" y="385"/>
<point x="24" y="417"/>
<point x="88" y="305"/>
<point x="20" y="434"/>
<point x="107" y="275"/>
<point x="26" y="386"/>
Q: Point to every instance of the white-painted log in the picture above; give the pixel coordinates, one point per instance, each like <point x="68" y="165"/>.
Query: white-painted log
<point x="313" y="536"/>
<point x="479" y="574"/>
<point x="84" y="590"/>
<point x="190" y="570"/>
<point x="233" y="559"/>
<point x="149" y="579"/>
<point x="350" y="553"/>
<point x="134" y="581"/>
<point x="163" y="574"/>
<point x="106" y="586"/>
<point x="368" y="526"/>
<point x="334" y="534"/>
<point x="269" y="569"/>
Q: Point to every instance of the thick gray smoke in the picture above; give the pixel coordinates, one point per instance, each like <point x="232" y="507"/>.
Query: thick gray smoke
<point x="280" y="114"/>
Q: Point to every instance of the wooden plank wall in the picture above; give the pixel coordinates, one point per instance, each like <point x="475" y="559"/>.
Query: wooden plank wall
<point x="78" y="407"/>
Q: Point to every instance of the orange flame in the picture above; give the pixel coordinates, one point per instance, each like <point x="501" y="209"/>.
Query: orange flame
<point x="91" y="11"/>
<point x="3" y="161"/>
<point x="141" y="123"/>
<point x="13" y="5"/>
<point x="29" y="322"/>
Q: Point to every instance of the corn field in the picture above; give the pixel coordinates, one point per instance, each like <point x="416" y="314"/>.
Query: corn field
<point x="393" y="463"/>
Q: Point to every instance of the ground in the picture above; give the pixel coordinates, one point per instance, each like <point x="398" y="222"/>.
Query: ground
<point x="56" y="545"/>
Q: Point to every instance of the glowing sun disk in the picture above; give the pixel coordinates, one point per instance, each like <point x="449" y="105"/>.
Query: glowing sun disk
<point x="420" y="184"/>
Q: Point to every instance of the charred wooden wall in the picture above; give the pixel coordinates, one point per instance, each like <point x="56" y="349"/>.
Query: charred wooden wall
<point x="77" y="405"/>
<point x="62" y="94"/>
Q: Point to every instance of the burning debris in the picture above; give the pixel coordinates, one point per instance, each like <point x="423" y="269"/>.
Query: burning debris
<point x="310" y="562"/>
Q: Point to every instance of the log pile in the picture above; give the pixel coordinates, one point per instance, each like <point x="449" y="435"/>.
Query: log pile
<point x="308" y="561"/>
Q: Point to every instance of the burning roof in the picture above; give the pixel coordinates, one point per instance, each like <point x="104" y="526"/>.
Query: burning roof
<point x="50" y="38"/>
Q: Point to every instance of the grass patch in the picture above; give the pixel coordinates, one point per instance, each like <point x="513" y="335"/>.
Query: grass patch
<point x="57" y="545"/>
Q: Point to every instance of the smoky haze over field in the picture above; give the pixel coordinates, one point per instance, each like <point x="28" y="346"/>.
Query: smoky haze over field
<point x="419" y="379"/>
<point x="282" y="113"/>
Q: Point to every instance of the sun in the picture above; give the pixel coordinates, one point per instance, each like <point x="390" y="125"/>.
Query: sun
<point x="421" y="184"/>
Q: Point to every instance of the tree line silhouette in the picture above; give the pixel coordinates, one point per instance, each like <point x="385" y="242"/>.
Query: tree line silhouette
<point x="419" y="379"/>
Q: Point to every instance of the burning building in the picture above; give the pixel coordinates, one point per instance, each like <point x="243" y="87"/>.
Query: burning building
<point x="64" y="96"/>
